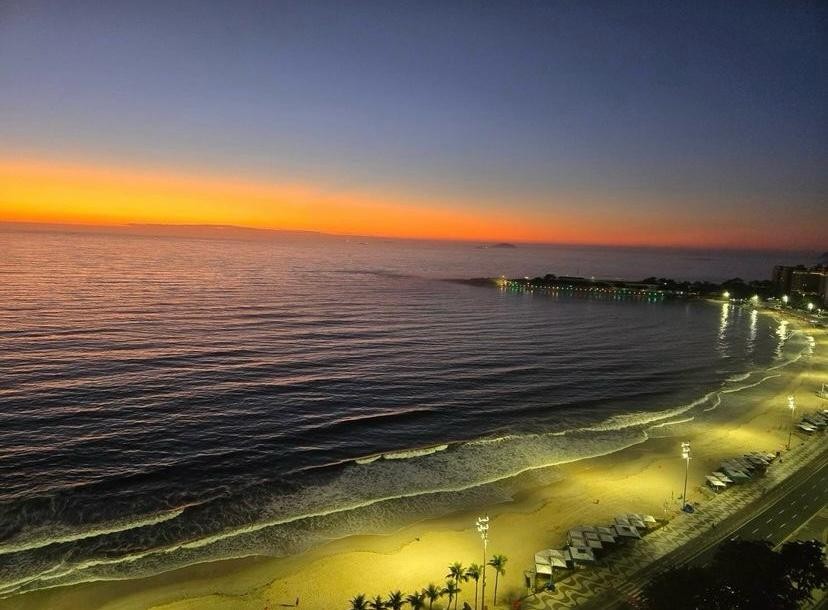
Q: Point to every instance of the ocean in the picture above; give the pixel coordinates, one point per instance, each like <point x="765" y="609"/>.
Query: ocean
<point x="166" y="401"/>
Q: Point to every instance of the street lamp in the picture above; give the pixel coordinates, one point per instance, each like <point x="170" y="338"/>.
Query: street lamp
<point x="792" y="407"/>
<point x="685" y="454"/>
<point x="810" y="306"/>
<point x="785" y="299"/>
<point x="726" y="294"/>
<point x="483" y="530"/>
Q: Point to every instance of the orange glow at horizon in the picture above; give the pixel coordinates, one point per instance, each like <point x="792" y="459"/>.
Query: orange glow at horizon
<point x="43" y="192"/>
<point x="55" y="193"/>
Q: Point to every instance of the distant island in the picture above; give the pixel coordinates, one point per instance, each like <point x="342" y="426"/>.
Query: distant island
<point x="502" y="244"/>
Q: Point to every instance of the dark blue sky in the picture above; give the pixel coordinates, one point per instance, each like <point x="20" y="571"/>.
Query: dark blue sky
<point x="691" y="109"/>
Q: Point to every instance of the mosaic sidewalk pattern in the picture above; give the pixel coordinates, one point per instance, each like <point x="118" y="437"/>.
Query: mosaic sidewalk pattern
<point x="614" y="572"/>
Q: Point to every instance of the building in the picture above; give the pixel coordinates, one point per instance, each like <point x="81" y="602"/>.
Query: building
<point x="824" y="291"/>
<point x="782" y="278"/>
<point x="802" y="281"/>
<point x="806" y="281"/>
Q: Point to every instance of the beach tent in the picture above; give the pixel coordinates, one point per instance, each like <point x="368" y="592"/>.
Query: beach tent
<point x="554" y="558"/>
<point x="583" y="554"/>
<point x="734" y="472"/>
<point x="806" y="428"/>
<point x="762" y="458"/>
<point x="559" y="558"/>
<point x="757" y="463"/>
<point x="606" y="534"/>
<point x="575" y="540"/>
<point x="648" y="519"/>
<point x="626" y="531"/>
<point x="715" y="483"/>
<point x="743" y="463"/>
<point x="542" y="565"/>
<point x="723" y="477"/>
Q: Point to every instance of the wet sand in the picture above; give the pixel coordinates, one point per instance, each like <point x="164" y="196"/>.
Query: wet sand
<point x="644" y="478"/>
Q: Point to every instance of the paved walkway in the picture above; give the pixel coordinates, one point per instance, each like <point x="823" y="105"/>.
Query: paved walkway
<point x="615" y="573"/>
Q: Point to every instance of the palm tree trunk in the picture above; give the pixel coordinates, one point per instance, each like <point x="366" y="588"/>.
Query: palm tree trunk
<point x="475" y="595"/>
<point x="494" y="597"/>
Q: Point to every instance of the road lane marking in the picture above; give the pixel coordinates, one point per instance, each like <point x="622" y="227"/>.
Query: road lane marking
<point x="769" y="520"/>
<point x="795" y="515"/>
<point x="754" y="531"/>
<point x="783" y="525"/>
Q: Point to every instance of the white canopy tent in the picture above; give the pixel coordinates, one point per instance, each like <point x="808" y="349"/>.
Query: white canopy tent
<point x="582" y="554"/>
<point x="715" y="483"/>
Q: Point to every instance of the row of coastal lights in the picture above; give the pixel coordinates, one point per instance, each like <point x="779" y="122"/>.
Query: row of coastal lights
<point x="755" y="299"/>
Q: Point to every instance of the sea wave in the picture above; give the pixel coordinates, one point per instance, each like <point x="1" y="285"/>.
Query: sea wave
<point x="99" y="530"/>
<point x="374" y="493"/>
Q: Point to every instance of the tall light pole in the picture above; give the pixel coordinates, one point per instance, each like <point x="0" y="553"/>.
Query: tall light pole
<point x="792" y="407"/>
<point x="483" y="530"/>
<point x="685" y="454"/>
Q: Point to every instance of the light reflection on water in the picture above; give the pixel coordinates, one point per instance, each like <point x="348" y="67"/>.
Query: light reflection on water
<point x="158" y="391"/>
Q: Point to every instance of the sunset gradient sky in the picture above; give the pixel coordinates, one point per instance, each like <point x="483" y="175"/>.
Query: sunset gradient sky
<point x="614" y="123"/>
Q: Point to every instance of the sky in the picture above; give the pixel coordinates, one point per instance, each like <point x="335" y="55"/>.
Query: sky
<point x="631" y="123"/>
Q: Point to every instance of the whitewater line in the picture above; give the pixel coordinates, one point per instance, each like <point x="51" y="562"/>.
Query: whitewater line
<point x="114" y="529"/>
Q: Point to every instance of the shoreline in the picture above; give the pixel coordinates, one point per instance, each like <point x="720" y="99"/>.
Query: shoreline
<point x="633" y="479"/>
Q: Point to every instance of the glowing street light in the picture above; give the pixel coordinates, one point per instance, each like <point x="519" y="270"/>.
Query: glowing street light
<point x="792" y="407"/>
<point x="726" y="294"/>
<point x="810" y="306"/>
<point x="685" y="454"/>
<point x="785" y="299"/>
<point x="483" y="530"/>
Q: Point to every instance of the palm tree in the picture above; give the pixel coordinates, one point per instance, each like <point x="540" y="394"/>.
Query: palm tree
<point x="416" y="600"/>
<point x="498" y="562"/>
<point x="359" y="603"/>
<point x="458" y="573"/>
<point x="395" y="600"/>
<point x="451" y="589"/>
<point x="377" y="603"/>
<point x="474" y="572"/>
<point x="432" y="593"/>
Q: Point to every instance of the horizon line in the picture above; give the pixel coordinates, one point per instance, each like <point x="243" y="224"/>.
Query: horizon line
<point x="45" y="227"/>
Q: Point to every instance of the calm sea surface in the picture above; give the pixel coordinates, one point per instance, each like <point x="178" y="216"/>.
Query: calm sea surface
<point x="165" y="401"/>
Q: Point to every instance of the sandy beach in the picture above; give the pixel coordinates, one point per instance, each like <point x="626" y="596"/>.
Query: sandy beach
<point x="646" y="478"/>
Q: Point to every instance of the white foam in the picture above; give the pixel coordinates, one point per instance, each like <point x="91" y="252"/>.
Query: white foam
<point x="369" y="459"/>
<point x="413" y="453"/>
<point x="111" y="528"/>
